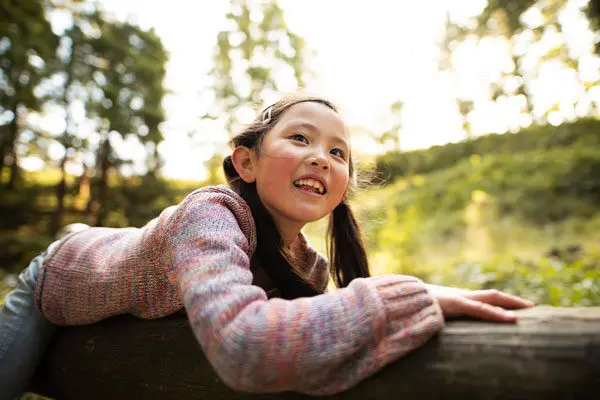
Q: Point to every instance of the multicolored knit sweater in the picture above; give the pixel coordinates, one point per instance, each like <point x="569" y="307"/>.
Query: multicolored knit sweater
<point x="197" y="255"/>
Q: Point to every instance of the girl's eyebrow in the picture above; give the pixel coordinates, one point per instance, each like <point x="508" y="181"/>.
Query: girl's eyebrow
<point x="305" y="125"/>
<point x="308" y="126"/>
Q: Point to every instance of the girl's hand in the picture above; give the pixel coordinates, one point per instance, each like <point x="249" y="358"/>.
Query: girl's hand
<point x="491" y="305"/>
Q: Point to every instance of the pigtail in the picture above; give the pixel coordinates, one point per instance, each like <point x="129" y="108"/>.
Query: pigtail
<point x="270" y="250"/>
<point x="347" y="255"/>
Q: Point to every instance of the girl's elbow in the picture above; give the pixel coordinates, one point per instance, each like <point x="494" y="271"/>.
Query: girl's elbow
<point x="234" y="373"/>
<point x="232" y="381"/>
<point x="245" y="383"/>
<point x="240" y="376"/>
<point x="244" y="363"/>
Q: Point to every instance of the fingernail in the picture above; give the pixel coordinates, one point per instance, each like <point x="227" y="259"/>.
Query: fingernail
<point x="511" y="314"/>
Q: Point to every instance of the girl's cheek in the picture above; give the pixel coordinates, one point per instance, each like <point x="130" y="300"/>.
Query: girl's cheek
<point x="290" y="153"/>
<point x="342" y="180"/>
<point x="284" y="151"/>
<point x="272" y="190"/>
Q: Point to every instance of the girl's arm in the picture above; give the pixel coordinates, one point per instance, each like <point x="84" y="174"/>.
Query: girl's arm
<point x="319" y="345"/>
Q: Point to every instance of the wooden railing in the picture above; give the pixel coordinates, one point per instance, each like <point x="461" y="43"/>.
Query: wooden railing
<point x="551" y="353"/>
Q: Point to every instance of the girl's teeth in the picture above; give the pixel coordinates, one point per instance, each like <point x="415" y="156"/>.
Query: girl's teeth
<point x="311" y="183"/>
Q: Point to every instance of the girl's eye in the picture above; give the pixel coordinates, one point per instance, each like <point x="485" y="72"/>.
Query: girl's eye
<point x="299" y="138"/>
<point x="339" y="153"/>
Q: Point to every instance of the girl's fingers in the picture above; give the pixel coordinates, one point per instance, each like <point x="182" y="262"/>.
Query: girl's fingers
<point x="477" y="309"/>
<point x="500" y="299"/>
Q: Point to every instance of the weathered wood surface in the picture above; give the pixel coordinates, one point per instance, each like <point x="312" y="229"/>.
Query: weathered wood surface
<point x="550" y="353"/>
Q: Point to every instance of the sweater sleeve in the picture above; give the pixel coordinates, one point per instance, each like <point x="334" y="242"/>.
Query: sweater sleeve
<point x="319" y="345"/>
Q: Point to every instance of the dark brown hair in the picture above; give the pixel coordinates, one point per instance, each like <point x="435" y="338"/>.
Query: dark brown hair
<point x="347" y="256"/>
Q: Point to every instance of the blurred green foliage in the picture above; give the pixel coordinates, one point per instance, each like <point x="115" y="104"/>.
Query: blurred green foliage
<point x="26" y="214"/>
<point x="549" y="280"/>
<point x="516" y="212"/>
<point x="91" y="71"/>
<point x="541" y="187"/>
<point x="581" y="133"/>
<point x="259" y="46"/>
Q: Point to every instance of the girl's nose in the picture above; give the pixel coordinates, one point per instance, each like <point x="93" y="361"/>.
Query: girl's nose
<point x="319" y="162"/>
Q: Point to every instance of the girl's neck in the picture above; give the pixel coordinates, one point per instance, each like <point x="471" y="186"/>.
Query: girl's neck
<point x="288" y="234"/>
<point x="288" y="229"/>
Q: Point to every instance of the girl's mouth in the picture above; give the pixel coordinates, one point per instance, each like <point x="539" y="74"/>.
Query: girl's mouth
<point x="310" y="185"/>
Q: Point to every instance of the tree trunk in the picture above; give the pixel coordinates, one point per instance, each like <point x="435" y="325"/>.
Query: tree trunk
<point x="3" y="141"/>
<point x="11" y="144"/>
<point x="61" y="191"/>
<point x="61" y="188"/>
<point x="103" y="183"/>
<point x="83" y="187"/>
<point x="2" y="157"/>
<point x="551" y="353"/>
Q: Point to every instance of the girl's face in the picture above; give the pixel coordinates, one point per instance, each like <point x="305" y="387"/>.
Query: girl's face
<point x="302" y="169"/>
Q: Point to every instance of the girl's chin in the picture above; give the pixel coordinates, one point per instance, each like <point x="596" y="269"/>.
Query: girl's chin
<point x="308" y="216"/>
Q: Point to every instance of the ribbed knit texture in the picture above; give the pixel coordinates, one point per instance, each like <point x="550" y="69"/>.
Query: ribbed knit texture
<point x="197" y="255"/>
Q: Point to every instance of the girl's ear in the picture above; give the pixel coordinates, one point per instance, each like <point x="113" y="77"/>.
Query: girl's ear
<point x="243" y="162"/>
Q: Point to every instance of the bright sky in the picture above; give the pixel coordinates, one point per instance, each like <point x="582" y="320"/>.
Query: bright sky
<point x="369" y="54"/>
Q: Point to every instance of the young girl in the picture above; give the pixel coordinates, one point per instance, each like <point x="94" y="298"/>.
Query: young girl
<point x="235" y="259"/>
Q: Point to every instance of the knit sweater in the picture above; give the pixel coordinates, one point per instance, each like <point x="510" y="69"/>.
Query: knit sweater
<point x="197" y="255"/>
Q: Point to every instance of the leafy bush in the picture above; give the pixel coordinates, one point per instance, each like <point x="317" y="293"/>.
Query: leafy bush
<point x="584" y="133"/>
<point x="19" y="250"/>
<point x="541" y="187"/>
<point x="488" y="222"/>
<point x="135" y="201"/>
<point x="553" y="281"/>
<point x="558" y="278"/>
<point x="18" y="208"/>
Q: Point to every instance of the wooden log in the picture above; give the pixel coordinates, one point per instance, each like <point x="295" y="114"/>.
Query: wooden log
<point x="550" y="353"/>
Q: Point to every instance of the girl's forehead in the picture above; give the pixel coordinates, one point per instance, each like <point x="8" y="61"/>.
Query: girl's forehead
<point x="318" y="115"/>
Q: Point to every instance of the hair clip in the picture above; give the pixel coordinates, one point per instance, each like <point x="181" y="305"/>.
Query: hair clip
<point x="267" y="115"/>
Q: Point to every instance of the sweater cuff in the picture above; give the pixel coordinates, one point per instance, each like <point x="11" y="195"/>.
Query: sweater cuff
<point x="413" y="314"/>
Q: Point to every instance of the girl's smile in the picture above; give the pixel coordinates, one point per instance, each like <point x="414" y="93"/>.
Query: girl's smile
<point x="311" y="183"/>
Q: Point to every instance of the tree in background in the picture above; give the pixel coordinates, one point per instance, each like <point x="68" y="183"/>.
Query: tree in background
<point x="465" y="107"/>
<point x="393" y="133"/>
<point x="128" y="82"/>
<point x="511" y="12"/>
<point x="104" y="77"/>
<point x="214" y="167"/>
<point x="255" y="58"/>
<point x="27" y="44"/>
<point x="525" y="27"/>
<point x="73" y="71"/>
